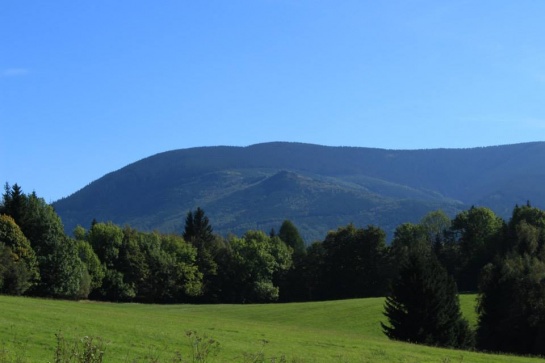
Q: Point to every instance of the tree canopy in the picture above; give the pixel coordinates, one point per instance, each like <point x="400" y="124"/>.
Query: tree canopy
<point x="290" y="235"/>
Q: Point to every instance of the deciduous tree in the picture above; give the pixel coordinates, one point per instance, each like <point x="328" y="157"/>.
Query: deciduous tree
<point x="256" y="258"/>
<point x="478" y="232"/>
<point x="355" y="261"/>
<point x="61" y="271"/>
<point x="21" y="250"/>
<point x="511" y="306"/>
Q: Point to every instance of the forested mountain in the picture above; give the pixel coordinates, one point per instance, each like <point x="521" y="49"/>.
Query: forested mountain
<point x="317" y="187"/>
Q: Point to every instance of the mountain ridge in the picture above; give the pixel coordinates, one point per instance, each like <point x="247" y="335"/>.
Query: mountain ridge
<point x="318" y="187"/>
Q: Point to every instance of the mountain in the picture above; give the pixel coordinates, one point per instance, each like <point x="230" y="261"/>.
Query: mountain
<point x="317" y="187"/>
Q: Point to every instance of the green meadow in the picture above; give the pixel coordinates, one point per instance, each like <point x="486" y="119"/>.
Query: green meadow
<point x="331" y="331"/>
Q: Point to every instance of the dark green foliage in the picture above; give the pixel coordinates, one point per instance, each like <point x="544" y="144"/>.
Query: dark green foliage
<point x="525" y="231"/>
<point x="355" y="263"/>
<point x="292" y="282"/>
<point x="531" y="215"/>
<point x="478" y="232"/>
<point x="199" y="232"/>
<point x="512" y="306"/>
<point x="197" y="228"/>
<point x="512" y="289"/>
<point x="312" y="272"/>
<point x="423" y="306"/>
<point x="409" y="238"/>
<point x="15" y="278"/>
<point x="61" y="271"/>
<point x="114" y="288"/>
<point x="14" y="202"/>
<point x="477" y="229"/>
<point x="290" y="235"/>
<point x="435" y="225"/>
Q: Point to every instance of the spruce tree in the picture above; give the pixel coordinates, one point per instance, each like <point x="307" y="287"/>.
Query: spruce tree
<point x="199" y="232"/>
<point x="423" y="306"/>
<point x="197" y="228"/>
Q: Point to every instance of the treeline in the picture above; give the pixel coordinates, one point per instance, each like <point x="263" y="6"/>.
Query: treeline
<point x="476" y="251"/>
<point x="503" y="261"/>
<point x="113" y="263"/>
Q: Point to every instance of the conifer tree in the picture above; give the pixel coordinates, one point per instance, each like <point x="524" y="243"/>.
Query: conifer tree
<point x="423" y="306"/>
<point x="199" y="232"/>
<point x="197" y="228"/>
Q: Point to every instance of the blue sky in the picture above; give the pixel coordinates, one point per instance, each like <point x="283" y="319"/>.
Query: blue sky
<point x="87" y="87"/>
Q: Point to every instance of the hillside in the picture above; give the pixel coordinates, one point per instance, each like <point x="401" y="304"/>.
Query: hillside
<point x="317" y="187"/>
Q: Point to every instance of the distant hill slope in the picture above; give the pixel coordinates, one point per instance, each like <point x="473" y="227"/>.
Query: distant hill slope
<point x="317" y="187"/>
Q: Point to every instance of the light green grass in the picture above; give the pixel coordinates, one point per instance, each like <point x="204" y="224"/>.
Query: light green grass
<point x="333" y="331"/>
<point x="467" y="304"/>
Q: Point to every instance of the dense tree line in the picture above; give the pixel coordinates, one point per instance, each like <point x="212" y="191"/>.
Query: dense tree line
<point x="503" y="261"/>
<point x="420" y="271"/>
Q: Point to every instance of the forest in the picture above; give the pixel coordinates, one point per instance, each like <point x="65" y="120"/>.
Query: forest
<point x="318" y="188"/>
<point x="421" y="271"/>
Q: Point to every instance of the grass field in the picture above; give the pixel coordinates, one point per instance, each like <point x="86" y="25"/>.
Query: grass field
<point x="333" y="331"/>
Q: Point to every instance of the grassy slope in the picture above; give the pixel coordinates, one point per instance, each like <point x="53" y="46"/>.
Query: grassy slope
<point x="336" y="331"/>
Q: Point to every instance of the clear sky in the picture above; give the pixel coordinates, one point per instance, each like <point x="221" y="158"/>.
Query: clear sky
<point x="87" y="87"/>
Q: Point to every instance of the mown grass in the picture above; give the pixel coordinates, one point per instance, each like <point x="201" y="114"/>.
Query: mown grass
<point x="333" y="331"/>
